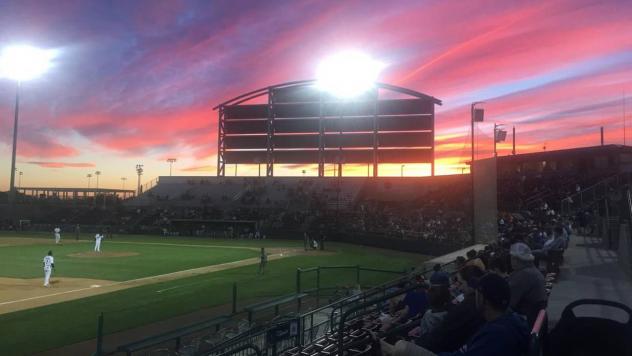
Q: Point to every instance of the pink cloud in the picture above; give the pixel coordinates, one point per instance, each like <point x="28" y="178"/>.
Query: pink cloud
<point x="206" y="168"/>
<point x="62" y="164"/>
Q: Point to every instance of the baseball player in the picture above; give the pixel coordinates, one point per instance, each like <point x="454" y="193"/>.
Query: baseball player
<point x="97" y="242"/>
<point x="57" y="231"/>
<point x="263" y="261"/>
<point x="49" y="264"/>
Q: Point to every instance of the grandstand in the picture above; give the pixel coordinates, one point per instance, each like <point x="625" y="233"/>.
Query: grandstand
<point x="429" y="215"/>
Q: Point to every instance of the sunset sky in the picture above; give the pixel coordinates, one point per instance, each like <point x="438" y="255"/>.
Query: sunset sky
<point x="135" y="81"/>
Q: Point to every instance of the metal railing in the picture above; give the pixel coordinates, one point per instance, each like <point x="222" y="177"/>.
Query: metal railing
<point x="587" y="197"/>
<point x="317" y="322"/>
<point x="152" y="183"/>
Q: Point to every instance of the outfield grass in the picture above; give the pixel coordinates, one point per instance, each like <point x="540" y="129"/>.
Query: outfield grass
<point x="69" y="322"/>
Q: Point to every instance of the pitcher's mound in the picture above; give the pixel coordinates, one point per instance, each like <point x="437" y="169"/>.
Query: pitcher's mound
<point x="92" y="254"/>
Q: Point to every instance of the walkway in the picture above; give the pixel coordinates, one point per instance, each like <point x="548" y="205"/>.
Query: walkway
<point x="590" y="271"/>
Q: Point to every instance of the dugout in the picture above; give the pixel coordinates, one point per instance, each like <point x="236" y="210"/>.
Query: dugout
<point x="219" y="228"/>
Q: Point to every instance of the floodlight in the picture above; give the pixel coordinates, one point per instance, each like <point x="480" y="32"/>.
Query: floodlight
<point x="348" y="74"/>
<point x="22" y="62"/>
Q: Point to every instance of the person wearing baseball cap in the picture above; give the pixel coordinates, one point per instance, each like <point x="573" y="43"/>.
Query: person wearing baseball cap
<point x="526" y="282"/>
<point x="504" y="334"/>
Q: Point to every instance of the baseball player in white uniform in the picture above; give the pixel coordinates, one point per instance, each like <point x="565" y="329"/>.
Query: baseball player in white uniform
<point x="97" y="242"/>
<point x="57" y="231"/>
<point x="49" y="264"/>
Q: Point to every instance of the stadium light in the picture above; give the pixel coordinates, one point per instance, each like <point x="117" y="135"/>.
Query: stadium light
<point x="97" y="174"/>
<point x="21" y="63"/>
<point x="348" y="74"/>
<point x="171" y="161"/>
<point x="139" y="171"/>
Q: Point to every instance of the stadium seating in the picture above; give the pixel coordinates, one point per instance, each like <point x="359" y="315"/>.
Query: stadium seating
<point x="584" y="335"/>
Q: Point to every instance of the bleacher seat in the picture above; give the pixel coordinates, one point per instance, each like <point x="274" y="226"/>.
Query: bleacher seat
<point x="584" y="336"/>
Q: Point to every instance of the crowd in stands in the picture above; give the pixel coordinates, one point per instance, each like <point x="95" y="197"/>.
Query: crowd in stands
<point x="286" y="206"/>
<point x="490" y="305"/>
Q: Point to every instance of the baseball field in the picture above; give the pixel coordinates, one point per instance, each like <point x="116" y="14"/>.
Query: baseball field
<point x="137" y="280"/>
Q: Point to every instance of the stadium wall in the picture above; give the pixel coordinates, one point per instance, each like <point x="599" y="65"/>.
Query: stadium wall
<point x="485" y="201"/>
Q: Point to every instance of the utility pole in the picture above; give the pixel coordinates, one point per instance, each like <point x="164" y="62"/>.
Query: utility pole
<point x="495" y="139"/>
<point x="139" y="171"/>
<point x="513" y="136"/>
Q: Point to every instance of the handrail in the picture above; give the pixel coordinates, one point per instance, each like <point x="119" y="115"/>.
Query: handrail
<point x="535" y="346"/>
<point x="175" y="334"/>
<point x="243" y="348"/>
<point x="381" y="288"/>
<point x="148" y="185"/>
<point x="577" y="196"/>
<point x="538" y="322"/>
<point x="228" y="342"/>
<point x="364" y="305"/>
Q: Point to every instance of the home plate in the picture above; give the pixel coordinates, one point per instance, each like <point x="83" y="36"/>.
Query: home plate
<point x="95" y="286"/>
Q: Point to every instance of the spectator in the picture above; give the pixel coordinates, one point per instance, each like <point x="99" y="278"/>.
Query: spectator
<point x="556" y="242"/>
<point x="461" y="322"/>
<point x="439" y="302"/>
<point x="498" y="265"/>
<point x="503" y="334"/>
<point x="414" y="303"/>
<point x="460" y="262"/>
<point x="474" y="260"/>
<point x="526" y="282"/>
<point x="439" y="277"/>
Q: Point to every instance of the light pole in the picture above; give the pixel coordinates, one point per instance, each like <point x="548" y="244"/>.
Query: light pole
<point x="21" y="63"/>
<point x="20" y="180"/>
<point x="401" y="170"/>
<point x="476" y="115"/>
<point x="171" y="162"/>
<point x="97" y="173"/>
<point x="89" y="176"/>
<point x="139" y="171"/>
<point x="123" y="179"/>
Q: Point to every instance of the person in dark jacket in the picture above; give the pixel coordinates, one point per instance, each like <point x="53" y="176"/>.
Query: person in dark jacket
<point x="461" y="322"/>
<point x="504" y="334"/>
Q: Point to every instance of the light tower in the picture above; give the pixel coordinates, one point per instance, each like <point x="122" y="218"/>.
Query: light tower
<point x="21" y="63"/>
<point x="123" y="179"/>
<point x="171" y="162"/>
<point x="89" y="176"/>
<point x="139" y="171"/>
<point x="97" y="173"/>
